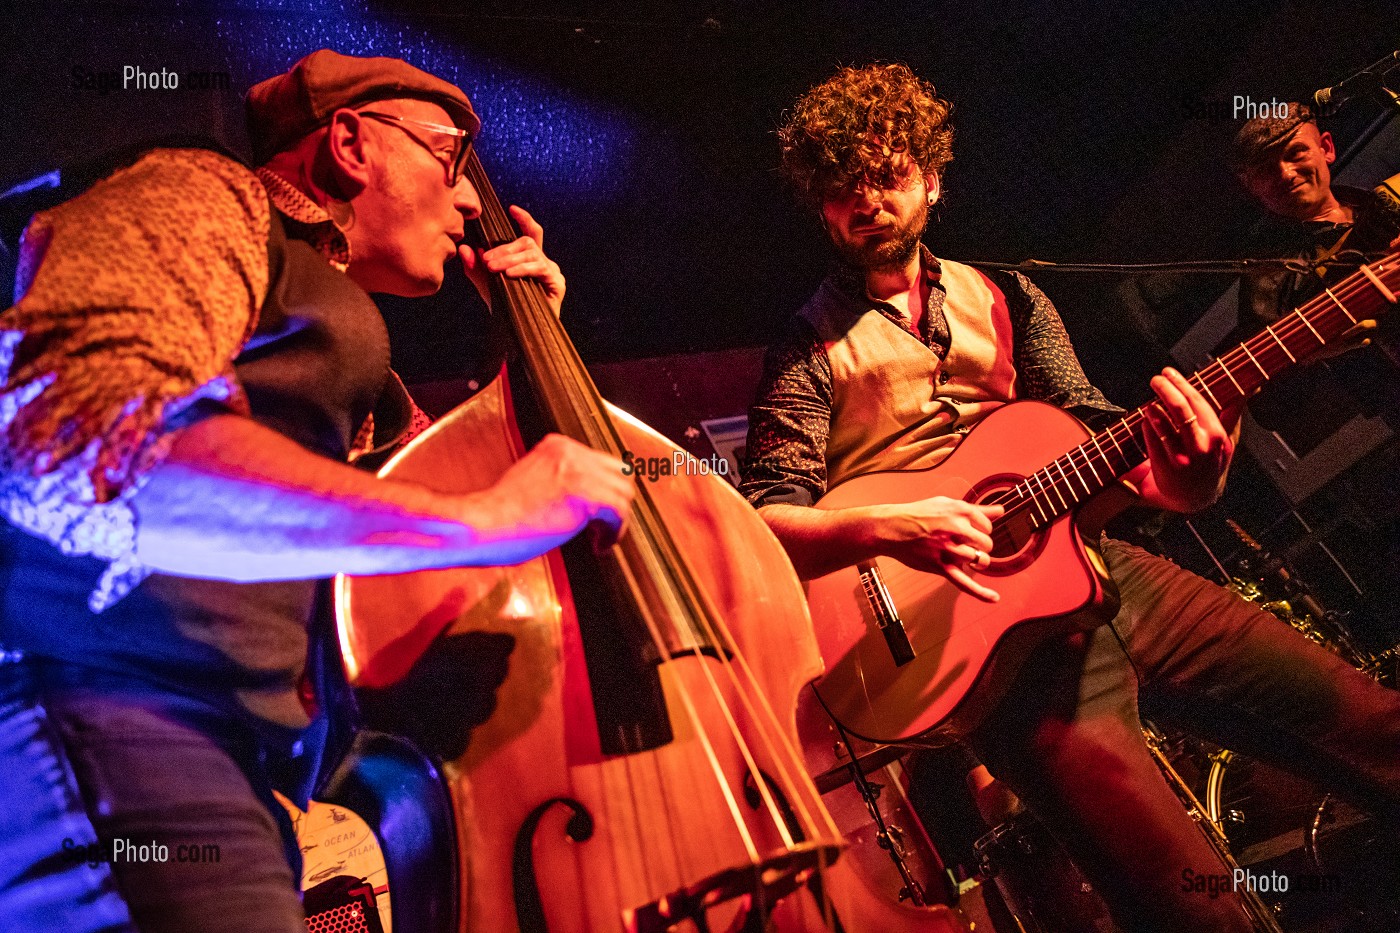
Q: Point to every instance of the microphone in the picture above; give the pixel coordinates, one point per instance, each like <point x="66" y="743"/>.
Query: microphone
<point x="1328" y="100"/>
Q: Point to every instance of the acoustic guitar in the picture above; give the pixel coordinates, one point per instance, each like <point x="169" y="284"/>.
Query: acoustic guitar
<point x="909" y="655"/>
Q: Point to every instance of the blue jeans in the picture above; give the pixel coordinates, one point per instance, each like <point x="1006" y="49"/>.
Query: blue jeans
<point x="182" y="808"/>
<point x="45" y="882"/>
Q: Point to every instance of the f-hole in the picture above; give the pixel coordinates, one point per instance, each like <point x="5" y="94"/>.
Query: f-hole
<point x="529" y="907"/>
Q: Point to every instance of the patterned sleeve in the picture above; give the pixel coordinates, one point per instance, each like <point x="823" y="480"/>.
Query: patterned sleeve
<point x="1046" y="366"/>
<point x="136" y="297"/>
<point x="789" y="423"/>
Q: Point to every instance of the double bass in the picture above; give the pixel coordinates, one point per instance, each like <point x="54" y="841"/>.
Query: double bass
<point x="629" y="762"/>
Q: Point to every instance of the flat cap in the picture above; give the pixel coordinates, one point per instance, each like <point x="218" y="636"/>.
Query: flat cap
<point x="1260" y="139"/>
<point x="284" y="108"/>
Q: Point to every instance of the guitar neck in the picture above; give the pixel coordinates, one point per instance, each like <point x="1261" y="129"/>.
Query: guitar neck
<point x="1111" y="453"/>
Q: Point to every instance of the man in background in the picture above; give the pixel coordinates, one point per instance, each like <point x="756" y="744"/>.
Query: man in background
<point x="1285" y="163"/>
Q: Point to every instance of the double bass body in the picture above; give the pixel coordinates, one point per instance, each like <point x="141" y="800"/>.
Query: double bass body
<point x="558" y="833"/>
<point x="638" y="769"/>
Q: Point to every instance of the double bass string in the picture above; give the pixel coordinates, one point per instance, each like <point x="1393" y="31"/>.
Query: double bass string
<point x="602" y="434"/>
<point x="532" y="324"/>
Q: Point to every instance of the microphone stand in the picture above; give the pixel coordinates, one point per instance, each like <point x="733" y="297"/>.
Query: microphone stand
<point x="1387" y="96"/>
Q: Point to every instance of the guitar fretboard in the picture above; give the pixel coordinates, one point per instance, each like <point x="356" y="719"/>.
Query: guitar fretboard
<point x="1108" y="455"/>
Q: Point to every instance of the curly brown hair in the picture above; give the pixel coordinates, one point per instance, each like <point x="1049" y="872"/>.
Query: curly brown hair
<point x="853" y="126"/>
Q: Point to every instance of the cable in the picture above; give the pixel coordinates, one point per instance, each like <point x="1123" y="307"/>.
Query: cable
<point x="1205" y="266"/>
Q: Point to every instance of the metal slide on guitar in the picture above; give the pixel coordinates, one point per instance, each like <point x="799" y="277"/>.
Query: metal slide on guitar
<point x="911" y="657"/>
<point x="636" y="769"/>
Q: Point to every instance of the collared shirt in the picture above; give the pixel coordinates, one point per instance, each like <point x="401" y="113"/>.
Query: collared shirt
<point x="134" y="299"/>
<point x="1332" y="390"/>
<point x="790" y="422"/>
<point x="1266" y="296"/>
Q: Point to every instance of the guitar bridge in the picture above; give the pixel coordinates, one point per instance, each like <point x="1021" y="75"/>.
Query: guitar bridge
<point x="886" y="616"/>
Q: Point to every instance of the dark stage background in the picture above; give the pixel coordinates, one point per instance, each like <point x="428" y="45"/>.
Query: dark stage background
<point x="641" y="134"/>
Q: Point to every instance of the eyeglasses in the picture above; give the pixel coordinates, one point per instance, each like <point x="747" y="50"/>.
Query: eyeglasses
<point x="453" y="161"/>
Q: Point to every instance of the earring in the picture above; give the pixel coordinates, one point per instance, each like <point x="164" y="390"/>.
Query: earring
<point x="341" y="212"/>
<point x="931" y="198"/>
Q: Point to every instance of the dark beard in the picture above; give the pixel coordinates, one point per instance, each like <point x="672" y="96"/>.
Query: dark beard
<point x="893" y="253"/>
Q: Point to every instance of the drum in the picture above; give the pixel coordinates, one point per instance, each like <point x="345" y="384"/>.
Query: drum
<point x="1267" y="814"/>
<point x="1322" y="628"/>
<point x="1339" y="860"/>
<point x="1385" y="668"/>
<point x="1039" y="884"/>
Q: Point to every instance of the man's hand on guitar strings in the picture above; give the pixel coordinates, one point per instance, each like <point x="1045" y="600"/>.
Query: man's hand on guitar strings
<point x="1359" y="336"/>
<point x="945" y="536"/>
<point x="1189" y="446"/>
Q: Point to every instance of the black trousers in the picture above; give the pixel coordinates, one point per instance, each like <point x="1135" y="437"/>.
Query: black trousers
<point x="1067" y="738"/>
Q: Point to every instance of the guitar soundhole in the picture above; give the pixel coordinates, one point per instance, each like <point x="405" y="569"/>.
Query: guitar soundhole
<point x="1014" y="535"/>
<point x="1011" y="536"/>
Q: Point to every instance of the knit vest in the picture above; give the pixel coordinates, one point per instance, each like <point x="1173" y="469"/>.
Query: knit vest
<point x="312" y="371"/>
<point x="895" y="404"/>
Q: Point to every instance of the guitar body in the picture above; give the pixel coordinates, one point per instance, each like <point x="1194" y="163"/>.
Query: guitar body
<point x="963" y="650"/>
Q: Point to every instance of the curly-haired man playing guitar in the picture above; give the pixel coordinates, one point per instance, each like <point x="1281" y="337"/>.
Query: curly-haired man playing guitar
<point x="892" y="363"/>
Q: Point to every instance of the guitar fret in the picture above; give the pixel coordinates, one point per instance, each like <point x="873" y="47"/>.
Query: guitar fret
<point x="1079" y="474"/>
<point x="1380" y="286"/>
<point x="1281" y="345"/>
<point x="1113" y="436"/>
<point x="1132" y="436"/>
<point x="1029" y="483"/>
<point x="1069" y="477"/>
<point x="1019" y="497"/>
<point x="1097" y="478"/>
<point x="1231" y="376"/>
<point x="1055" y="488"/>
<point x="1262" y="371"/>
<point x="1023" y="491"/>
<point x="1067" y="488"/>
<point x="1205" y="388"/>
<point x="1335" y="301"/>
<point x="1038" y="499"/>
<point x="1308" y="324"/>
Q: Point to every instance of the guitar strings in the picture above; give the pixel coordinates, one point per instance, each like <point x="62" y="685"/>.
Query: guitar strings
<point x="1023" y="495"/>
<point x="1289" y="328"/>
